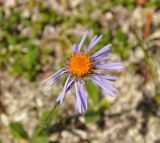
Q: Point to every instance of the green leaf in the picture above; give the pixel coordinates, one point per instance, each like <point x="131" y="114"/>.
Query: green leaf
<point x="103" y="105"/>
<point x="121" y="36"/>
<point x="18" y="131"/>
<point x="92" y="92"/>
<point x="40" y="139"/>
<point x="91" y="115"/>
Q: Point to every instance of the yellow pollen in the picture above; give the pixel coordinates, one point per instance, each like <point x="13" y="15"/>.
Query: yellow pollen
<point x="80" y="64"/>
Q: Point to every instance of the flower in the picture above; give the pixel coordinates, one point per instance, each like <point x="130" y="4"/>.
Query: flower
<point x="81" y="64"/>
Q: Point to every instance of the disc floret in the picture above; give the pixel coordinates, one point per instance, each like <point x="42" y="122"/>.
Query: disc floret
<point x="80" y="64"/>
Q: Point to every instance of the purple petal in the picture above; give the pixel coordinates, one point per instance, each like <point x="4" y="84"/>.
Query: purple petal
<point x="75" y="48"/>
<point x="53" y="75"/>
<point x="61" y="96"/>
<point x="93" y="42"/>
<point x="81" y="103"/>
<point x="82" y="41"/>
<point x="101" y="51"/>
<point x="109" y="86"/>
<point x="78" y="102"/>
<point x="56" y="78"/>
<point x="103" y="85"/>
<point x="110" y="78"/>
<point x="53" y="79"/>
<point x="102" y="58"/>
<point x="70" y="83"/>
<point x="83" y="97"/>
<point x="110" y="66"/>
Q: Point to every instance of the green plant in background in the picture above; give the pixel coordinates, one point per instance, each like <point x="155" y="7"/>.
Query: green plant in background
<point x="19" y="49"/>
<point x="23" y="56"/>
<point x="150" y="59"/>
<point x="41" y="132"/>
<point x="122" y="47"/>
<point x="20" y="134"/>
<point x="18" y="131"/>
<point x="20" y="52"/>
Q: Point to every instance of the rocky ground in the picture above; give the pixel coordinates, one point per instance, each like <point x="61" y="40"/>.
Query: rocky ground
<point x="127" y="120"/>
<point x="134" y="115"/>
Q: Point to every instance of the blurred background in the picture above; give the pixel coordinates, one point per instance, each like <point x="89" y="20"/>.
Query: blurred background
<point x="36" y="38"/>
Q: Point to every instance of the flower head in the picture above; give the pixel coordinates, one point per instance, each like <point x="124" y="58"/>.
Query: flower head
<point x="82" y="64"/>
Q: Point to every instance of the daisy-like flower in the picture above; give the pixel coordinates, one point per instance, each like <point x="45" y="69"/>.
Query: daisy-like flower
<point x="80" y="65"/>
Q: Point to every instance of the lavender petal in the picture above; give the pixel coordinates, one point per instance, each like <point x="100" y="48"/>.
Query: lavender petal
<point x="101" y="51"/>
<point x="93" y="42"/>
<point x="110" y="66"/>
<point x="110" y="78"/>
<point x="53" y="75"/>
<point x="81" y="103"/>
<point x="102" y="58"/>
<point x="78" y="101"/>
<point x="108" y="85"/>
<point x="82" y="41"/>
<point x="103" y="86"/>
<point x="75" y="48"/>
<point x="54" y="78"/>
<point x="83" y="97"/>
<point x="61" y="96"/>
<point x="70" y="83"/>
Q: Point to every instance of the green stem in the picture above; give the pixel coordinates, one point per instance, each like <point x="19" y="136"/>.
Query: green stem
<point x="44" y="124"/>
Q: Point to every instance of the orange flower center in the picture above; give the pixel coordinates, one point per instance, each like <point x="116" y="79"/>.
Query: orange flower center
<point x="80" y="64"/>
